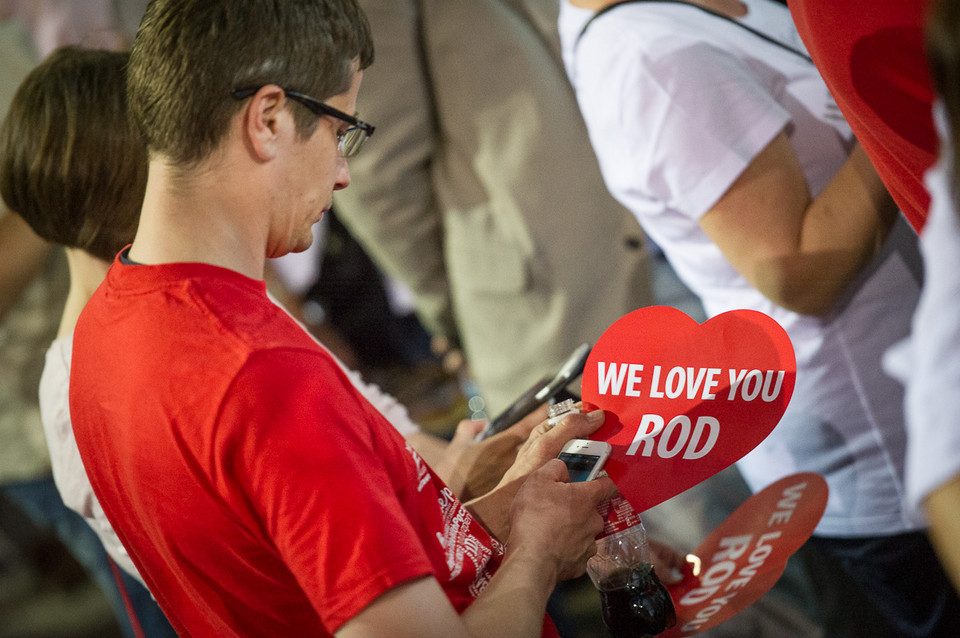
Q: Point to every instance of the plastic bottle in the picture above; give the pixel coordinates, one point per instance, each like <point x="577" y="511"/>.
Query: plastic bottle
<point x="634" y="601"/>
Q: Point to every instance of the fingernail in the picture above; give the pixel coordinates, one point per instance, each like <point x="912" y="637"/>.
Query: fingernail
<point x="596" y="415"/>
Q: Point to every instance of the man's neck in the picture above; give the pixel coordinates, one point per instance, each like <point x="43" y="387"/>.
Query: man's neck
<point x="205" y="218"/>
<point x="86" y="273"/>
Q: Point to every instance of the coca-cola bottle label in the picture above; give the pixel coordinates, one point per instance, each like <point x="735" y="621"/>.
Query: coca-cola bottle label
<point x="617" y="514"/>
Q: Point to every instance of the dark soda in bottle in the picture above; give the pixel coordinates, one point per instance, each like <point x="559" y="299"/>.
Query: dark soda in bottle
<point x="635" y="603"/>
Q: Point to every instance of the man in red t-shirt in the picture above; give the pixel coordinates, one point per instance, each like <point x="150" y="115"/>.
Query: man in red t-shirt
<point x="871" y="55"/>
<point x="257" y="491"/>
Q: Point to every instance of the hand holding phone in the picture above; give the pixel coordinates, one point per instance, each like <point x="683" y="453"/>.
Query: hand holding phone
<point x="585" y="458"/>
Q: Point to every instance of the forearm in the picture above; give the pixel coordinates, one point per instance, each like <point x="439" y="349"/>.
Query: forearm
<point x="801" y="253"/>
<point x="493" y="508"/>
<point x="514" y="603"/>
<point x="432" y="450"/>
<point x="943" y="511"/>
<point x="552" y="532"/>
<point x="841" y="230"/>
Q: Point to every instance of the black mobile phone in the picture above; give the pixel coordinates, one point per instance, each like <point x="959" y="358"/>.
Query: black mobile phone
<point x="542" y="391"/>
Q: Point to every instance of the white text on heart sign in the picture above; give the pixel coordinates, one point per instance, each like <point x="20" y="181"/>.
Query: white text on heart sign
<point x="729" y="560"/>
<point x="679" y="382"/>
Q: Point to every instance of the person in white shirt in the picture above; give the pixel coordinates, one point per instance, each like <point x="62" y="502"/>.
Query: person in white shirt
<point x="933" y="403"/>
<point x="727" y="147"/>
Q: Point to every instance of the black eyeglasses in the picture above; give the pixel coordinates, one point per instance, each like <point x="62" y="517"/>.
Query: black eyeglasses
<point x="349" y="142"/>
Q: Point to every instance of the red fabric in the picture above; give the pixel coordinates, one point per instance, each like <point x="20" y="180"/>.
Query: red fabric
<point x="870" y="53"/>
<point x="258" y="493"/>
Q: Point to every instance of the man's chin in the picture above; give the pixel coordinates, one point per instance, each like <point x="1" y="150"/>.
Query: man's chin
<point x="287" y="250"/>
<point x="302" y="246"/>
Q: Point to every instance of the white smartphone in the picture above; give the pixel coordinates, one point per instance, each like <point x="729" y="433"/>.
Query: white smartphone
<point x="585" y="458"/>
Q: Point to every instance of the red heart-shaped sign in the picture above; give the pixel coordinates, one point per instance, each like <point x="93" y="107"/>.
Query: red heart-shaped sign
<point x="745" y="556"/>
<point x="685" y="400"/>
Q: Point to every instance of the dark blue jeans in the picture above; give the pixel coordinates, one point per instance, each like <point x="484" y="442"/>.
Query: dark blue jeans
<point x="899" y="580"/>
<point x="40" y="500"/>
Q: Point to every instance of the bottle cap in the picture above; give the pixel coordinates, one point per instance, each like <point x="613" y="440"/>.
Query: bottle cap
<point x="559" y="409"/>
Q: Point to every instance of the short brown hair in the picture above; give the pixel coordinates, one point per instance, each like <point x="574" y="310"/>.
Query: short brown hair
<point x="71" y="162"/>
<point x="190" y="55"/>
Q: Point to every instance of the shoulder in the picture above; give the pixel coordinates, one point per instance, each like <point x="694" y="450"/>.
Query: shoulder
<point x="649" y="25"/>
<point x="650" y="47"/>
<point x="625" y="28"/>
<point x="290" y="393"/>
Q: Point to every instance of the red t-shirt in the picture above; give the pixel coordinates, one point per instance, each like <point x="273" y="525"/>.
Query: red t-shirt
<point x="871" y="55"/>
<point x="258" y="493"/>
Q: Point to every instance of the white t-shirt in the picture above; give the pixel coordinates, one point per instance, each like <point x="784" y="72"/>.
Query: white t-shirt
<point x="68" y="471"/>
<point x="678" y="103"/>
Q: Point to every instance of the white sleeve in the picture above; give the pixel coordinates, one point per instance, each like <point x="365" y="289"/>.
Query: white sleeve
<point x="69" y="474"/>
<point x="673" y="119"/>
<point x="933" y="399"/>
<point x="387" y="405"/>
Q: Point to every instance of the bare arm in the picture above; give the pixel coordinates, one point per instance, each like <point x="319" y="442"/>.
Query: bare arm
<point x="943" y="510"/>
<point x="22" y="254"/>
<point x="549" y="526"/>
<point x="513" y="604"/>
<point x="411" y="610"/>
<point x="552" y="535"/>
<point x="800" y="252"/>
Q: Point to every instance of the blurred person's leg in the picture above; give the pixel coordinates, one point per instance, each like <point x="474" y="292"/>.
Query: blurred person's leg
<point x="149" y="615"/>
<point x="890" y="581"/>
<point x="40" y="501"/>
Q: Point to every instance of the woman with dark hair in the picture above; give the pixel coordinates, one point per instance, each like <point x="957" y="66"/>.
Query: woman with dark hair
<point x="74" y="168"/>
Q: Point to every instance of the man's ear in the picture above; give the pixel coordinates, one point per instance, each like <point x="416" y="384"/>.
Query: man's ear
<point x="262" y="119"/>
